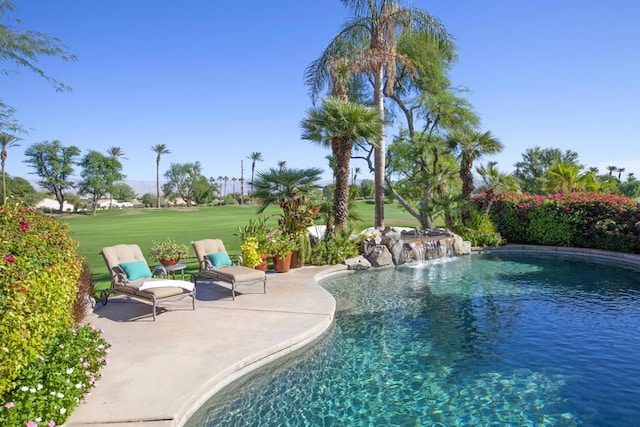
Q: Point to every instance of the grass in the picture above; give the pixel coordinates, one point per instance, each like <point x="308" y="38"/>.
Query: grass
<point x="143" y="226"/>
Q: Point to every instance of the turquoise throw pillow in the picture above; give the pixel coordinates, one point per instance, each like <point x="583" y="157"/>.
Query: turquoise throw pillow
<point x="219" y="259"/>
<point x="136" y="270"/>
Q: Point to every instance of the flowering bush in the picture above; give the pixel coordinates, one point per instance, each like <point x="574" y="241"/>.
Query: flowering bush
<point x="39" y="271"/>
<point x="60" y="378"/>
<point x="590" y="220"/>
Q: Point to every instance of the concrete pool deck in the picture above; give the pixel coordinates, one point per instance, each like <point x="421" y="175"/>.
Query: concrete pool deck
<point x="161" y="372"/>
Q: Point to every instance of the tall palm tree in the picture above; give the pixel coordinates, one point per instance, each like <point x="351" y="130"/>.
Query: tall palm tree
<point x="115" y="153"/>
<point x="339" y="124"/>
<point x="282" y="164"/>
<point x="6" y="140"/>
<point x="254" y="157"/>
<point x="226" y="182"/>
<point x="369" y="40"/>
<point x="159" y="149"/>
<point x="472" y="145"/>
<point x="356" y="171"/>
<point x="612" y="169"/>
<point x="620" y="170"/>
<point x="233" y="184"/>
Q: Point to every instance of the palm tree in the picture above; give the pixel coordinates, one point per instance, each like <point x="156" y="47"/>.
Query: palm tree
<point x="7" y="141"/>
<point x="495" y="182"/>
<point x="356" y="171"/>
<point x="563" y="177"/>
<point x="233" y="184"/>
<point x="159" y="149"/>
<point x="282" y="164"/>
<point x="115" y="153"/>
<point x="368" y="40"/>
<point x="472" y="145"/>
<point x="612" y="169"/>
<point x="226" y="182"/>
<point x="254" y="157"/>
<point x="620" y="170"/>
<point x="220" y="181"/>
<point x="275" y="185"/>
<point x="339" y="124"/>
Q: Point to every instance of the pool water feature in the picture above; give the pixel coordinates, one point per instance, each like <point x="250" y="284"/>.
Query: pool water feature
<point x="477" y="340"/>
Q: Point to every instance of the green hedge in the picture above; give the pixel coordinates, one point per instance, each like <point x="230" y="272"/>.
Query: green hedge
<point x="588" y="220"/>
<point x="39" y="271"/>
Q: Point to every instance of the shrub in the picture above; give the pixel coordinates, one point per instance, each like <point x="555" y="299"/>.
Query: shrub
<point x="335" y="249"/>
<point x="590" y="220"/>
<point x="480" y="231"/>
<point x="39" y="272"/>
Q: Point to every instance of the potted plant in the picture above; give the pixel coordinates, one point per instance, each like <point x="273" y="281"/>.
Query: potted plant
<point x="297" y="215"/>
<point x="168" y="251"/>
<point x="282" y="246"/>
<point x="256" y="236"/>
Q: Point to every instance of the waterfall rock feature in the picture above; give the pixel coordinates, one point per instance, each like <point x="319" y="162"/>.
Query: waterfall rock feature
<point x="397" y="246"/>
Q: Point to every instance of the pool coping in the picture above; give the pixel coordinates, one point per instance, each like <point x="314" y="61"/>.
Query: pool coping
<point x="162" y="372"/>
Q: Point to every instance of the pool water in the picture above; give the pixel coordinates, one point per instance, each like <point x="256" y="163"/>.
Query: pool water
<point x="487" y="340"/>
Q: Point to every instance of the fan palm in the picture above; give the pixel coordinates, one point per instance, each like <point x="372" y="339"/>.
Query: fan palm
<point x="472" y="145"/>
<point x="159" y="149"/>
<point x="6" y="140"/>
<point x="368" y="39"/>
<point x="275" y="185"/>
<point x="339" y="124"/>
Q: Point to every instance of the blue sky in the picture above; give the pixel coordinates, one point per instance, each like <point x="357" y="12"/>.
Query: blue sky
<point x="215" y="81"/>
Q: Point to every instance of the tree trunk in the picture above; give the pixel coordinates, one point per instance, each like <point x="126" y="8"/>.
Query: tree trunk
<point x="4" y="183"/>
<point x="158" y="183"/>
<point x="379" y="152"/>
<point x="342" y="152"/>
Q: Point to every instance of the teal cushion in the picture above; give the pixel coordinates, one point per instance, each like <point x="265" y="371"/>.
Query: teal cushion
<point x="136" y="270"/>
<point x="219" y="259"/>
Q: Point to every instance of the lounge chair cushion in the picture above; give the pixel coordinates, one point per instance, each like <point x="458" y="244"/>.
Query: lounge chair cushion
<point x="235" y="273"/>
<point x="219" y="259"/>
<point x="136" y="270"/>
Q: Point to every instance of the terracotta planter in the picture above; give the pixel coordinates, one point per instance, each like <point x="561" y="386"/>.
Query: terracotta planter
<point x="296" y="261"/>
<point x="169" y="261"/>
<point x="264" y="264"/>
<point x="281" y="264"/>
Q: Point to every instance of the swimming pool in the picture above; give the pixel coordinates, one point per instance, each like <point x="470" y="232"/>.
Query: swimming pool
<point x="477" y="340"/>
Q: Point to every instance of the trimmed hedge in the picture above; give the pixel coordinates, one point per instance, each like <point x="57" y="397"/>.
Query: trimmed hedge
<point x="587" y="220"/>
<point x="39" y="272"/>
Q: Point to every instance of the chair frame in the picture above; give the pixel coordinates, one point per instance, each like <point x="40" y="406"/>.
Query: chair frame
<point x="121" y="284"/>
<point x="206" y="269"/>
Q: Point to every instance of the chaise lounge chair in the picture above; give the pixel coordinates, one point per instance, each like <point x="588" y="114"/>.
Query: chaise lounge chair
<point x="216" y="264"/>
<point x="130" y="275"/>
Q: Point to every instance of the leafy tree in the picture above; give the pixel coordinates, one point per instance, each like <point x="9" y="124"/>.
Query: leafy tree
<point x="96" y="168"/>
<point x="19" y="188"/>
<point x="122" y="192"/>
<point x="368" y="41"/>
<point x="159" y="149"/>
<point x="148" y="200"/>
<point x="203" y="192"/>
<point x="366" y="188"/>
<point x="182" y="179"/>
<point x="53" y="163"/>
<point x="424" y="167"/>
<point x="274" y="185"/>
<point x="340" y="124"/>
<point x="23" y="48"/>
<point x="6" y="141"/>
<point x="531" y="172"/>
<point x="630" y="188"/>
<point x="115" y="153"/>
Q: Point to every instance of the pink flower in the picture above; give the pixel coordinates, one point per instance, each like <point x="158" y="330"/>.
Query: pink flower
<point x="9" y="405"/>
<point x="32" y="424"/>
<point x="10" y="259"/>
<point x="23" y="226"/>
<point x="51" y="423"/>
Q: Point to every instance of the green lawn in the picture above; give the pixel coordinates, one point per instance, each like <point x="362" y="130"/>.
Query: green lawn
<point x="142" y="226"/>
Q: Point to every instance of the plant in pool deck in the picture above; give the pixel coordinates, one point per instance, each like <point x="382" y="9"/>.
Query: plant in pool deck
<point x="168" y="250"/>
<point x="282" y="244"/>
<point x="297" y="216"/>
<point x="251" y="252"/>
<point x="259" y="231"/>
<point x="59" y="379"/>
